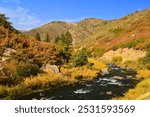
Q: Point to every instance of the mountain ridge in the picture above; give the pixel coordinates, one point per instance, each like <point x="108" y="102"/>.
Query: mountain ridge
<point x="95" y="32"/>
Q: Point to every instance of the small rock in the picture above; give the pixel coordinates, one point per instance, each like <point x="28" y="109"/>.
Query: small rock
<point x="104" y="72"/>
<point x="109" y="93"/>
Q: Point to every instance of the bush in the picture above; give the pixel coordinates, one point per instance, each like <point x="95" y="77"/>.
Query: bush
<point x="98" y="65"/>
<point x="117" y="60"/>
<point x="117" y="31"/>
<point x="26" y="70"/>
<point x="143" y="74"/>
<point x="3" y="91"/>
<point x="145" y="61"/>
<point x="80" y="58"/>
<point x="98" y="52"/>
<point x="132" y="64"/>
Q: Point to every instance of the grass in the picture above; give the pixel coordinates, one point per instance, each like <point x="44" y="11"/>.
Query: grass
<point x="80" y="73"/>
<point x="142" y="88"/>
<point x="50" y="81"/>
<point x="34" y="84"/>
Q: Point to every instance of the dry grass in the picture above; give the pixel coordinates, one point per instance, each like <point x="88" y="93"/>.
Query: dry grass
<point x="139" y="91"/>
<point x="126" y="54"/>
<point x="142" y="89"/>
<point x="79" y="72"/>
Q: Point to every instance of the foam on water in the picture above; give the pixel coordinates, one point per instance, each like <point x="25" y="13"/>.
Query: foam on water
<point x="82" y="91"/>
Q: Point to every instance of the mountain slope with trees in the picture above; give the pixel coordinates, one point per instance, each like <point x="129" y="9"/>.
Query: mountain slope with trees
<point x="129" y="31"/>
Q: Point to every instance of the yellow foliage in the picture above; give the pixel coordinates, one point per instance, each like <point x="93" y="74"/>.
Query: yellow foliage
<point x="141" y="89"/>
<point x="143" y="74"/>
<point x="17" y="91"/>
<point x="99" y="65"/>
<point x="82" y="72"/>
<point x="41" y="81"/>
<point x="3" y="91"/>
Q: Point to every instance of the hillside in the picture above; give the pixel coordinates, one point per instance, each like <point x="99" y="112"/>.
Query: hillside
<point x="16" y="46"/>
<point x="29" y="65"/>
<point x="80" y="30"/>
<point x="129" y="31"/>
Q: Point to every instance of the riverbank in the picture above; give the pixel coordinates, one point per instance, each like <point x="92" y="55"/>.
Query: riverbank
<point x="142" y="89"/>
<point x="106" y="87"/>
<point x="50" y="81"/>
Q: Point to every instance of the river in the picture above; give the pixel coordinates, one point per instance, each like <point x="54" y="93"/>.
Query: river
<point x="119" y="81"/>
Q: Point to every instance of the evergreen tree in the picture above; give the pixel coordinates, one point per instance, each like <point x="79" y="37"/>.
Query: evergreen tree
<point x="63" y="45"/>
<point x="37" y="36"/>
<point x="5" y="23"/>
<point x="47" y="38"/>
<point x="80" y="58"/>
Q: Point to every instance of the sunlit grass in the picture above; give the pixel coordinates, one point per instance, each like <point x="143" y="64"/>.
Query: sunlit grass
<point x="141" y="89"/>
<point x="99" y="65"/>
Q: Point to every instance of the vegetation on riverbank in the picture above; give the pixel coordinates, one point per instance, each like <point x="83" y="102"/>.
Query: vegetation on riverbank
<point x="44" y="81"/>
<point x="141" y="89"/>
<point x="23" y="59"/>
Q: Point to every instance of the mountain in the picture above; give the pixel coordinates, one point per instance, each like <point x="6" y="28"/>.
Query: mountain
<point x="129" y="31"/>
<point x="79" y="31"/>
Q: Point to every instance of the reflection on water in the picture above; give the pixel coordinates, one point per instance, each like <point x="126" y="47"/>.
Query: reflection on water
<point x="115" y="84"/>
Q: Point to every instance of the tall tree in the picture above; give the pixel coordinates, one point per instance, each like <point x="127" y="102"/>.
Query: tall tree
<point x="5" y="23"/>
<point x="63" y="45"/>
<point x="47" y="38"/>
<point x="37" y="36"/>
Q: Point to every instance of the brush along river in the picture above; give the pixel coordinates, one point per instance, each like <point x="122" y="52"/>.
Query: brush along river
<point x="119" y="81"/>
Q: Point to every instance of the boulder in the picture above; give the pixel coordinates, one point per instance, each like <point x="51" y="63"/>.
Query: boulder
<point x="52" y="68"/>
<point x="104" y="72"/>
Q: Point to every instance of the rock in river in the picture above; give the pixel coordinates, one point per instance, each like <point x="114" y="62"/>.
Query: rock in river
<point x="104" y="72"/>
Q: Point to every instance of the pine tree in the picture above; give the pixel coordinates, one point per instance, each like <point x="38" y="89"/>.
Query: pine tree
<point x="63" y="45"/>
<point x="47" y="38"/>
<point x="5" y="23"/>
<point x="37" y="36"/>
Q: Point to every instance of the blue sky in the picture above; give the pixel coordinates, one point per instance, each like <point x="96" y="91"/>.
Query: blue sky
<point x="27" y="14"/>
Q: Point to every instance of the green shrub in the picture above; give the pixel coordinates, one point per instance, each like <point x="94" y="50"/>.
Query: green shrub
<point x="98" y="52"/>
<point x="145" y="61"/>
<point x="130" y="44"/>
<point x="117" y="31"/>
<point x="27" y="69"/>
<point x="80" y="58"/>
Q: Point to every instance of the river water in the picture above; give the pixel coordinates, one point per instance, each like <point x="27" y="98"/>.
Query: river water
<point x="119" y="81"/>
